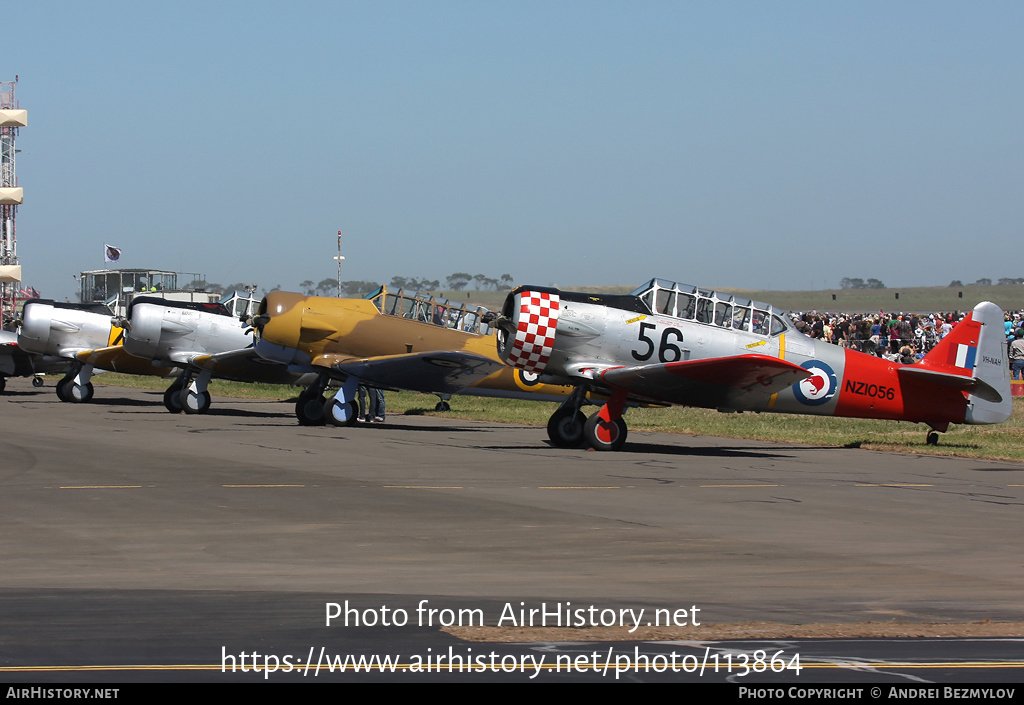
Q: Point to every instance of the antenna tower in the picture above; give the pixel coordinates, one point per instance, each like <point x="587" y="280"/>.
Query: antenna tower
<point x="11" y="196"/>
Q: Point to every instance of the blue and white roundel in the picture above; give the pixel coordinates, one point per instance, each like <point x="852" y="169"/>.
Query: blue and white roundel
<point x="818" y="389"/>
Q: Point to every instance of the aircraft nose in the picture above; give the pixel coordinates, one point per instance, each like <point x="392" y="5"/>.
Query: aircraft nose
<point x="35" y="327"/>
<point x="527" y="332"/>
<point x="278" y="322"/>
<point x="143" y="333"/>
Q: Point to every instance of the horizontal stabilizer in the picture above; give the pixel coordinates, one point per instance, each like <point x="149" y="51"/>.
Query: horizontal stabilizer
<point x="972" y="385"/>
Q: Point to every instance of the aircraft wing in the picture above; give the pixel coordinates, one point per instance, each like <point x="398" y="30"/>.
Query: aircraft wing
<point x="244" y="365"/>
<point x="115" y="359"/>
<point x="725" y="382"/>
<point x="436" y="372"/>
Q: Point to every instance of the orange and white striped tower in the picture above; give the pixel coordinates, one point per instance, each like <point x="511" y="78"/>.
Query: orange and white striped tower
<point x="11" y="196"/>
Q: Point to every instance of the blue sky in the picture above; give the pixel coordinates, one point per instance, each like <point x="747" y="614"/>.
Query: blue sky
<point x="779" y="145"/>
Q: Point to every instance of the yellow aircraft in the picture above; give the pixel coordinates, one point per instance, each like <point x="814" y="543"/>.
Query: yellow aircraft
<point x="388" y="340"/>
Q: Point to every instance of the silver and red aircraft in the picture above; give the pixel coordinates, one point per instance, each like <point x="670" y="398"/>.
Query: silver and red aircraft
<point x="676" y="344"/>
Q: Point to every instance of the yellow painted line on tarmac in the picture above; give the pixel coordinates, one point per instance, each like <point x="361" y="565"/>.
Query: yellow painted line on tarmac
<point x="894" y="484"/>
<point x="741" y="485"/>
<point x="101" y="487"/>
<point x="589" y="487"/>
<point x="301" y="669"/>
<point x="423" y="487"/>
<point x="244" y="486"/>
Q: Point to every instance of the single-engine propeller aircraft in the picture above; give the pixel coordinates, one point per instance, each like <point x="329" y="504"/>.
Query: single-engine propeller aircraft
<point x="86" y="335"/>
<point x="390" y="340"/>
<point x="205" y="341"/>
<point x="15" y="362"/>
<point x="676" y="344"/>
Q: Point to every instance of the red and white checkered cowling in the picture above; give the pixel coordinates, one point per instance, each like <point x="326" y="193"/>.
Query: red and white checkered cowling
<point x="535" y="315"/>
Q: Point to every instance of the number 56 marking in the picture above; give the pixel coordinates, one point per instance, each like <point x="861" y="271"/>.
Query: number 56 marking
<point x="668" y="351"/>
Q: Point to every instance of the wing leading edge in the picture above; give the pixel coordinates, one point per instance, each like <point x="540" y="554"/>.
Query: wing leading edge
<point x="436" y="372"/>
<point x="739" y="382"/>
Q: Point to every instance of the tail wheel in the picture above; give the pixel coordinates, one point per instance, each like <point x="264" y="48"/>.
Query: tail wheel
<point x="565" y="428"/>
<point x="442" y="406"/>
<point x="309" y="409"/>
<point x="192" y="403"/>
<point x="932" y="439"/>
<point x="36" y="382"/>
<point x="605" y="435"/>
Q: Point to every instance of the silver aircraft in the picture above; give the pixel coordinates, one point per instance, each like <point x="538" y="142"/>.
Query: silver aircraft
<point x="204" y="341"/>
<point x="83" y="334"/>
<point x="673" y="343"/>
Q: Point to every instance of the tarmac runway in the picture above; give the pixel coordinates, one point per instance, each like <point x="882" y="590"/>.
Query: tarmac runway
<point x="133" y="536"/>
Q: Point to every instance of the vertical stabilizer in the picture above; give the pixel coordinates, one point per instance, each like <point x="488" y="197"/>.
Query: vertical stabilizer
<point x="990" y="367"/>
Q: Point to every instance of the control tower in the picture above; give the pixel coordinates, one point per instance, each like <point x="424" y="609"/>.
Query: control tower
<point x="11" y="196"/>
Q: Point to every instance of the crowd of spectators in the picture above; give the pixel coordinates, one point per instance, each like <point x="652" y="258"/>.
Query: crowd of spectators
<point x="902" y="337"/>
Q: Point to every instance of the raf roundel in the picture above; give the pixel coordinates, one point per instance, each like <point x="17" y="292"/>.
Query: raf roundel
<point x="535" y="330"/>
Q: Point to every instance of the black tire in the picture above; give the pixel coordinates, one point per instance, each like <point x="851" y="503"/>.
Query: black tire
<point x="443" y="406"/>
<point x="932" y="439"/>
<point x="194" y="403"/>
<point x="565" y="428"/>
<point x="3" y="384"/>
<point x="353" y="412"/>
<point x="602" y="436"/>
<point x="309" y="409"/>
<point x="60" y="389"/>
<point x="78" y="393"/>
<point x="172" y="398"/>
<point x="36" y="382"/>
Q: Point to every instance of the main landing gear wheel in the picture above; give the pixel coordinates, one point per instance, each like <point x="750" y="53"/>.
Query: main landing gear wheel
<point x="353" y="412"/>
<point x="60" y="389"/>
<point x="309" y="409"/>
<point x="36" y="382"/>
<point x="192" y="403"/>
<point x="932" y="439"/>
<point x="78" y="393"/>
<point x="172" y="398"/>
<point x="565" y="428"/>
<point x="442" y="406"/>
<point x="604" y="435"/>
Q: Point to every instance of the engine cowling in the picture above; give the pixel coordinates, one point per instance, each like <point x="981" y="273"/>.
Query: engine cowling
<point x="48" y="328"/>
<point x="526" y="335"/>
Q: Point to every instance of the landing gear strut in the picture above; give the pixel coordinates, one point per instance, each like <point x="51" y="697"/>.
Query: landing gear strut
<point x="309" y="409"/>
<point x="172" y="397"/>
<point x="342" y="409"/>
<point x="194" y="399"/>
<point x="565" y="427"/>
<point x="606" y="430"/>
<point x="75" y="387"/>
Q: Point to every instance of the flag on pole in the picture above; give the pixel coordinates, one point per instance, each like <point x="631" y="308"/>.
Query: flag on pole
<point x="111" y="253"/>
